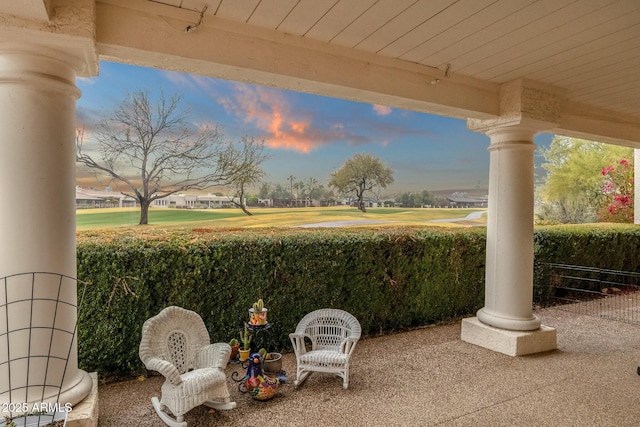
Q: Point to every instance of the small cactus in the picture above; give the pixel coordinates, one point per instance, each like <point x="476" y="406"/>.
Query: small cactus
<point x="258" y="306"/>
<point x="245" y="337"/>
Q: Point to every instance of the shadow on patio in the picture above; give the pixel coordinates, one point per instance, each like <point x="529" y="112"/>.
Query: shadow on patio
<point x="429" y="377"/>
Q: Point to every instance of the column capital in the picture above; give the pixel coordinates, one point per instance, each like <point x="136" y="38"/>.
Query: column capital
<point x="525" y="106"/>
<point x="69" y="30"/>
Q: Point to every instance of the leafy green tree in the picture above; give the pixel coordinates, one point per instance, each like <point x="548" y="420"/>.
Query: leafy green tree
<point x="265" y="190"/>
<point x="571" y="191"/>
<point x="318" y="192"/>
<point x="417" y="200"/>
<point x="279" y="192"/>
<point x="359" y="174"/>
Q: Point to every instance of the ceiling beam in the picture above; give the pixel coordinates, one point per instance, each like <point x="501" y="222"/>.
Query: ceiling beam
<point x="229" y="50"/>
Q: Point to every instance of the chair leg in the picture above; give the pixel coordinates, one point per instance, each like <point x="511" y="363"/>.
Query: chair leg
<point x="301" y="377"/>
<point x="166" y="418"/>
<point x="345" y="377"/>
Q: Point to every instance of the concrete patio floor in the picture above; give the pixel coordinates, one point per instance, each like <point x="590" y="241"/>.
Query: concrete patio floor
<point x="429" y="377"/>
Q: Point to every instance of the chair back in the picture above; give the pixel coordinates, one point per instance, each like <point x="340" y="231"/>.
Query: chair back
<point x="174" y="335"/>
<point x="328" y="328"/>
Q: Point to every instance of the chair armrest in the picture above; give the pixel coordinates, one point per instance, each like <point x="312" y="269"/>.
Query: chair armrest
<point x="213" y="355"/>
<point x="348" y="345"/>
<point x="297" y="340"/>
<point x="167" y="370"/>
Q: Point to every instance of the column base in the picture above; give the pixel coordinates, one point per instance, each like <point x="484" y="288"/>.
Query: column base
<point x="512" y="324"/>
<point x="76" y="392"/>
<point x="85" y="413"/>
<point x="511" y="343"/>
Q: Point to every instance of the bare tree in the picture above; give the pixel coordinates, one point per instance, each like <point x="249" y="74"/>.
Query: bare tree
<point x="243" y="162"/>
<point x="359" y="174"/>
<point x="155" y="150"/>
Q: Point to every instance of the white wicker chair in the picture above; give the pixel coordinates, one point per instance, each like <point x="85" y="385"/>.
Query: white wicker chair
<point x="176" y="343"/>
<point x="333" y="334"/>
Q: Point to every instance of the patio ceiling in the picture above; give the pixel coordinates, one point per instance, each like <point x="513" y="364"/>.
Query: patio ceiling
<point x="590" y="49"/>
<point x="439" y="56"/>
<point x="446" y="57"/>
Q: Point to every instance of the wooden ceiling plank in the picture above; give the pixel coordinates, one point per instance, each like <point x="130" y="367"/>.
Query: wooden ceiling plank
<point x="402" y="24"/>
<point x="583" y="30"/>
<point x="408" y="47"/>
<point x="569" y="62"/>
<point x="473" y="24"/>
<point x="373" y="18"/>
<point x="305" y="15"/>
<point x="494" y="53"/>
<point x="581" y="73"/>
<point x="236" y="10"/>
<point x="270" y="13"/>
<point x="174" y="3"/>
<point x="624" y="94"/>
<point x="606" y="92"/>
<point x="613" y="102"/>
<point x="607" y="67"/>
<point x="338" y="18"/>
<point x="455" y="53"/>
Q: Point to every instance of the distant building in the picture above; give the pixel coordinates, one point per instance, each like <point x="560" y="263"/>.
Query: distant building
<point x="463" y="201"/>
<point x="89" y="198"/>
<point x="92" y="198"/>
<point x="196" y="201"/>
<point x="368" y="202"/>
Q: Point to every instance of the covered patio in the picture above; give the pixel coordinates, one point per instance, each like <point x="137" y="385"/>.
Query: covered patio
<point x="511" y="68"/>
<point x="429" y="377"/>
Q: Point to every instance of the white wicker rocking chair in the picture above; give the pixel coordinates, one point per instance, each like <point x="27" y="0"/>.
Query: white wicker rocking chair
<point x="333" y="334"/>
<point x="176" y="343"/>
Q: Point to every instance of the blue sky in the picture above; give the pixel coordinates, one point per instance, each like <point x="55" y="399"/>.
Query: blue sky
<point x="308" y="135"/>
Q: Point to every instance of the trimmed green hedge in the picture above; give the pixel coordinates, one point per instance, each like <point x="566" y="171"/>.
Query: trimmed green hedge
<point x="601" y="246"/>
<point x="612" y="246"/>
<point x="389" y="279"/>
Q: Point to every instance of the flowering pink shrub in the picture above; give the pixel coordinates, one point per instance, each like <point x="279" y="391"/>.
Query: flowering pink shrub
<point x="617" y="187"/>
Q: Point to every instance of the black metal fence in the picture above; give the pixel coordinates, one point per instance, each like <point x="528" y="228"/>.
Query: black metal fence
<point x="604" y="293"/>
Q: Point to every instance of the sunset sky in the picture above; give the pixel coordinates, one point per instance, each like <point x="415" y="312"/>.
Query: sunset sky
<point x="308" y="135"/>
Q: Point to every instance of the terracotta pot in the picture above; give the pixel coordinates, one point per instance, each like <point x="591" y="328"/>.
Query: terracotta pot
<point x="234" y="351"/>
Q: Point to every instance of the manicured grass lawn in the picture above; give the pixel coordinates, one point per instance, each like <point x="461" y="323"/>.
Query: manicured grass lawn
<point x="265" y="217"/>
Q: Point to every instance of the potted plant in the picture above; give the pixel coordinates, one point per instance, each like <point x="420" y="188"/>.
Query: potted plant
<point x="245" y="337"/>
<point x="272" y="364"/>
<point x="258" y="313"/>
<point x="235" y="346"/>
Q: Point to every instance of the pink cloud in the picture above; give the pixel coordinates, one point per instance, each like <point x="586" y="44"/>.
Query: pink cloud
<point x="381" y="110"/>
<point x="283" y="126"/>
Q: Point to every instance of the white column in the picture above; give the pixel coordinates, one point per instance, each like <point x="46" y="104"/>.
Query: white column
<point x="506" y="323"/>
<point x="37" y="223"/>
<point x="509" y="257"/>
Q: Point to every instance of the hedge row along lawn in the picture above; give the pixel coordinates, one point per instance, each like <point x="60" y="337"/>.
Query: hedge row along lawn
<point x="267" y="217"/>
